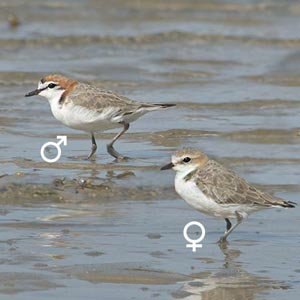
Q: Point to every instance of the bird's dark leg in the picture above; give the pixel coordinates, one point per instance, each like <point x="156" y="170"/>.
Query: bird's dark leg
<point x="223" y="240"/>
<point x="228" y="224"/>
<point x="94" y="146"/>
<point x="110" y="148"/>
<point x="230" y="228"/>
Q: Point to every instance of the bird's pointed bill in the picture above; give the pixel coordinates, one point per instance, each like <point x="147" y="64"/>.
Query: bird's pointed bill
<point x="34" y="93"/>
<point x="168" y="166"/>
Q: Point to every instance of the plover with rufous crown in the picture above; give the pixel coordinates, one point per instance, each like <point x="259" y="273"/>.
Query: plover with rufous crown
<point x="212" y="189"/>
<point x="89" y="108"/>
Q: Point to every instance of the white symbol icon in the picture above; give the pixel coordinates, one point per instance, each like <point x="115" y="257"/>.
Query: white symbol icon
<point x="62" y="139"/>
<point x="194" y="244"/>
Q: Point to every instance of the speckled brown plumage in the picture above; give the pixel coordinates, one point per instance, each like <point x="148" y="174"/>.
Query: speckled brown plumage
<point x="215" y="190"/>
<point x="225" y="187"/>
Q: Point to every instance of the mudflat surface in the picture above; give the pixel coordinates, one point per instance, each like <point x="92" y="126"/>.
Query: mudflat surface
<point x="77" y="229"/>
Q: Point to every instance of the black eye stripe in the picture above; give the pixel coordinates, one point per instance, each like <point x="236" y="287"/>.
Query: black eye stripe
<point x="186" y="159"/>
<point x="52" y="85"/>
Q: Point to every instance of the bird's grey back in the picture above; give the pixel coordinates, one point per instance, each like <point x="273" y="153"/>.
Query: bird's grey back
<point x="96" y="98"/>
<point x="226" y="187"/>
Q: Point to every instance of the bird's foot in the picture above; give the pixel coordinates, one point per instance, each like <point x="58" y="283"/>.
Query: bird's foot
<point x="222" y="241"/>
<point x="93" y="150"/>
<point x="91" y="158"/>
<point x="122" y="158"/>
<point x="119" y="157"/>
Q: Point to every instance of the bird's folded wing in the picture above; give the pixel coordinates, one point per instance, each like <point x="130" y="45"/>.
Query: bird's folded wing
<point x="226" y="187"/>
<point x="98" y="99"/>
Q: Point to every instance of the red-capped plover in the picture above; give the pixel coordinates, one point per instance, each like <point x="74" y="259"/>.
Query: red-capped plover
<point x="86" y="107"/>
<point x="212" y="189"/>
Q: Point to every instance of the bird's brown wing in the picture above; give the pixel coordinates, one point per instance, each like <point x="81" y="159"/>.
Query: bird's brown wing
<point x="115" y="107"/>
<point x="98" y="99"/>
<point x="226" y="187"/>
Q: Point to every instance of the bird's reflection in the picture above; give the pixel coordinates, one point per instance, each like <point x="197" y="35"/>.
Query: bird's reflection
<point x="230" y="282"/>
<point x="230" y="256"/>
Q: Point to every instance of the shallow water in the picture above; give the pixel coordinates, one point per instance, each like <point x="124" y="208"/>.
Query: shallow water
<point x="77" y="229"/>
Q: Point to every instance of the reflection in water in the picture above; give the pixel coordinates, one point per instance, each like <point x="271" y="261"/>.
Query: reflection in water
<point x="230" y="283"/>
<point x="230" y="256"/>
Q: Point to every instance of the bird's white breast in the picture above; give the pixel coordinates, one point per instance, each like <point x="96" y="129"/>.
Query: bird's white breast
<point x="192" y="194"/>
<point x="81" y="118"/>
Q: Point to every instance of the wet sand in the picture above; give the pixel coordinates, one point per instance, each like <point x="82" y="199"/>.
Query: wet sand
<point x="76" y="229"/>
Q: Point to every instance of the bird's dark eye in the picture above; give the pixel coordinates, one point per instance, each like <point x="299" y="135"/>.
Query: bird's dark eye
<point x="186" y="159"/>
<point x="52" y="85"/>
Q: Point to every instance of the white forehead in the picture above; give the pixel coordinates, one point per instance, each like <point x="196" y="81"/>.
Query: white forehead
<point x="175" y="159"/>
<point x="178" y="158"/>
<point x="186" y="152"/>
<point x="45" y="84"/>
<point x="42" y="84"/>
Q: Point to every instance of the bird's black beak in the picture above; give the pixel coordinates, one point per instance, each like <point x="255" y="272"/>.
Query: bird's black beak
<point x="33" y="93"/>
<point x="168" y="166"/>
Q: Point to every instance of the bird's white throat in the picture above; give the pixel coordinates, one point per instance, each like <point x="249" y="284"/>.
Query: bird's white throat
<point x="184" y="170"/>
<point x="53" y="96"/>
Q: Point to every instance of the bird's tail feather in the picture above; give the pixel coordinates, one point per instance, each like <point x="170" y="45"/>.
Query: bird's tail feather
<point x="165" y="105"/>
<point x="156" y="106"/>
<point x="286" y="204"/>
<point x="290" y="204"/>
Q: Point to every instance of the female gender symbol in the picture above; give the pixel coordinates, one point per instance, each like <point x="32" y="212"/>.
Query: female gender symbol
<point x="194" y="244"/>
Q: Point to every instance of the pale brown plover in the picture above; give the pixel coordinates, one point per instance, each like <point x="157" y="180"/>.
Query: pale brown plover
<point x="212" y="189"/>
<point x="86" y="107"/>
